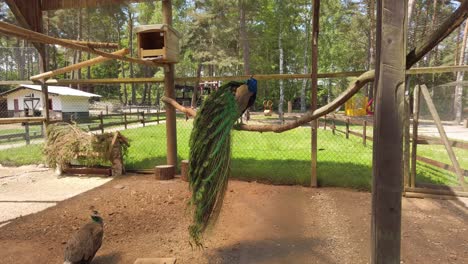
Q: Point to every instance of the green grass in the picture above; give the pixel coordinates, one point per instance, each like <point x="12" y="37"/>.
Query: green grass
<point x="268" y="157"/>
<point x="31" y="154"/>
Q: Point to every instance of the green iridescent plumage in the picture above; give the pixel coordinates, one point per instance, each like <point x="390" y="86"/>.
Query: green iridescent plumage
<point x="210" y="155"/>
<point x="210" y="150"/>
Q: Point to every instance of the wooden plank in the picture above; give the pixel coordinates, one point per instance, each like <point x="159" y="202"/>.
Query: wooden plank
<point x="314" y="90"/>
<point x="18" y="120"/>
<point x="427" y="195"/>
<point x="425" y="140"/>
<point x="388" y="139"/>
<point x="88" y="171"/>
<point x="437" y="191"/>
<point x="77" y="66"/>
<point x="443" y="135"/>
<point x="440" y="165"/>
<point x="38" y="37"/>
<point x="440" y="69"/>
<point x="67" y="4"/>
<point x="414" y="149"/>
<point x="155" y="261"/>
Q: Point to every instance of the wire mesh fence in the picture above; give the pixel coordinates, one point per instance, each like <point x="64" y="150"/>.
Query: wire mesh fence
<point x="344" y="155"/>
<point x="436" y="162"/>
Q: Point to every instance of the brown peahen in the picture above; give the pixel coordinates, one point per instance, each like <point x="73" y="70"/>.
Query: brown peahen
<point x="83" y="245"/>
<point x="210" y="150"/>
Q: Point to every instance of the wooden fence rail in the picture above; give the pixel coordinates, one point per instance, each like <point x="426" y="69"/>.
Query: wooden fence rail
<point x="422" y="140"/>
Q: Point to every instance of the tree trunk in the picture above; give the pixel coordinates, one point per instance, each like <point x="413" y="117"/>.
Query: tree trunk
<point x="195" y="86"/>
<point x="130" y="32"/>
<point x="458" y="102"/>
<point x="306" y="46"/>
<point x="244" y="39"/>
<point x="79" y="37"/>
<point x="371" y="39"/>
<point x="281" y="84"/>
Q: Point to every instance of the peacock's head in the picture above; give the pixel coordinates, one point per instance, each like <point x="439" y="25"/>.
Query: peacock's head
<point x="96" y="217"/>
<point x="252" y="84"/>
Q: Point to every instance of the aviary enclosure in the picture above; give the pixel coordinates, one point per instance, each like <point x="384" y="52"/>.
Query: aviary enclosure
<point x="321" y="147"/>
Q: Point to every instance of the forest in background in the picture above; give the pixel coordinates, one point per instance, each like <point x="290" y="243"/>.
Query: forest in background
<point x="236" y="37"/>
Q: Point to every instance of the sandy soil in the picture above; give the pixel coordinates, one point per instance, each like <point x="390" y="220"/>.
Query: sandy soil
<point x="259" y="224"/>
<point x="29" y="189"/>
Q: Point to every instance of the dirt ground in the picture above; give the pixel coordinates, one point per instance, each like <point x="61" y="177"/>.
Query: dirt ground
<point x="32" y="188"/>
<point x="259" y="224"/>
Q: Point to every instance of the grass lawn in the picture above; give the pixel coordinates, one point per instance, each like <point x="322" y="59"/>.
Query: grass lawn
<point x="268" y="157"/>
<point x="31" y="154"/>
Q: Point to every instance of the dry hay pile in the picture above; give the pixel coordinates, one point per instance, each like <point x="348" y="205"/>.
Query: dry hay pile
<point x="67" y="142"/>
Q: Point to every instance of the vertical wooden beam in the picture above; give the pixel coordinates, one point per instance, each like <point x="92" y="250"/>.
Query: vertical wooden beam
<point x="314" y="87"/>
<point x="169" y="90"/>
<point x="406" y="137"/>
<point x="414" y="151"/>
<point x="443" y="136"/>
<point x="347" y="128"/>
<point x="387" y="154"/>
<point x="364" y="133"/>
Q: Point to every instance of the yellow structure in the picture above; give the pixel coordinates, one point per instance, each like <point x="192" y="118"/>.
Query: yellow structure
<point x="356" y="106"/>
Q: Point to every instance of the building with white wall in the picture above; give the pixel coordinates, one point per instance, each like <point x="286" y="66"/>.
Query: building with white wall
<point x="64" y="102"/>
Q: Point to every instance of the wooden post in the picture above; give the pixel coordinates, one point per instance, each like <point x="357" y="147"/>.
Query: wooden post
<point x="387" y="148"/>
<point x="125" y="120"/>
<point x="443" y="136"/>
<point x="406" y="137"/>
<point x="325" y="123"/>
<point x="333" y="124"/>
<point x="314" y="88"/>
<point x="364" y="132"/>
<point x="101" y="122"/>
<point x="414" y="152"/>
<point x="26" y="133"/>
<point x="143" y="118"/>
<point x="169" y="90"/>
<point x="347" y="128"/>
<point x="157" y="116"/>
<point x="184" y="170"/>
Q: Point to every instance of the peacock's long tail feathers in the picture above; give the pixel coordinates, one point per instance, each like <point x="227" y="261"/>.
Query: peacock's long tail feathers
<point x="210" y="157"/>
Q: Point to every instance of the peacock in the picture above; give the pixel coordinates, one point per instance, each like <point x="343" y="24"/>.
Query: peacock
<point x="210" y="150"/>
<point x="83" y="245"/>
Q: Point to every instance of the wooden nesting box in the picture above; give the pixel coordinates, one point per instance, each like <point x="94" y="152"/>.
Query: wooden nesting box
<point x="159" y="42"/>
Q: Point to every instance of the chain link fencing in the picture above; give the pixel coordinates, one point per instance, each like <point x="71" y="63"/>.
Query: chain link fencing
<point x="434" y="166"/>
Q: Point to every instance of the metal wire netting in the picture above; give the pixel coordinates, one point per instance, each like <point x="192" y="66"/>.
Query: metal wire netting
<point x="434" y="165"/>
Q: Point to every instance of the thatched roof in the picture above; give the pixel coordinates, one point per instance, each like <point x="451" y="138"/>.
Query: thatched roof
<point x="65" y="4"/>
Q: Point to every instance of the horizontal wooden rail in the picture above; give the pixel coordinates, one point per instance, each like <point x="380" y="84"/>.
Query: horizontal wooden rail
<point x="436" y="191"/>
<point x="21" y="136"/>
<point x="439" y="164"/>
<point x="425" y="140"/>
<point x="19" y="120"/>
<point x="425" y="70"/>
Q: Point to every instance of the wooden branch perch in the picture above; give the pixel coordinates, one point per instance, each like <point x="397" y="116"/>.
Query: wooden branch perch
<point x="77" y="66"/>
<point x="435" y="38"/>
<point x="189" y="111"/>
<point x="20" y="32"/>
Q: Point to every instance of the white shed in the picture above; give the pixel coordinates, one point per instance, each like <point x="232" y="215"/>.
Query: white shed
<point x="26" y="100"/>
